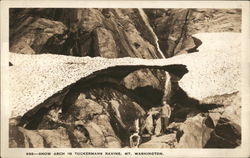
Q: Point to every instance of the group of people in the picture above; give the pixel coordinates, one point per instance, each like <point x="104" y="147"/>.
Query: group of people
<point x="154" y="123"/>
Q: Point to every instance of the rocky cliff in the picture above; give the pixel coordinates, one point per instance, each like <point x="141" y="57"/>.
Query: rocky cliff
<point x="91" y="101"/>
<point x="175" y="27"/>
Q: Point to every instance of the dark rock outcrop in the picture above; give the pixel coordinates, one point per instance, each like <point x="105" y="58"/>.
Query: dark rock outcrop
<point x="174" y="27"/>
<point x="116" y="33"/>
<point x="229" y="121"/>
<point x="170" y="26"/>
<point x="32" y="34"/>
<point x="53" y="138"/>
<point x="90" y="32"/>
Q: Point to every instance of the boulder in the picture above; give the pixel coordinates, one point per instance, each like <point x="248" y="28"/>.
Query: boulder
<point x="33" y="33"/>
<point x="97" y="138"/>
<point x="106" y="46"/>
<point x="83" y="109"/>
<point x="232" y="107"/>
<point x="227" y="131"/>
<point x="57" y="138"/>
<point x="164" y="141"/>
<point x="81" y="138"/>
<point x="158" y="127"/>
<point x="112" y="142"/>
<point x="23" y="138"/>
<point x="149" y="124"/>
<point x="140" y="79"/>
<point x="195" y="132"/>
<point x="227" y="134"/>
<point x="111" y="139"/>
<point x="214" y="20"/>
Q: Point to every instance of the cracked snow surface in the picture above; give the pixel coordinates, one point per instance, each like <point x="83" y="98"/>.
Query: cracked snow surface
<point x="214" y="70"/>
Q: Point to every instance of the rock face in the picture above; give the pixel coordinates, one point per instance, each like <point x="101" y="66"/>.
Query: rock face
<point x="174" y="27"/>
<point x="109" y="33"/>
<point x="195" y="133"/>
<point x="112" y="33"/>
<point x="24" y="39"/>
<point x="165" y="141"/>
<point x="91" y="101"/>
<point x="229" y="121"/>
